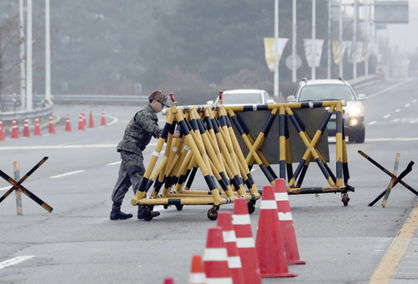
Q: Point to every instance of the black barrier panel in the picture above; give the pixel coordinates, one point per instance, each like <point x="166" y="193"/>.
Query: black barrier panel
<point x="255" y="121"/>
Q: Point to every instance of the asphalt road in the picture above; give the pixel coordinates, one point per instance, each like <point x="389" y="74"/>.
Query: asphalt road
<point x="77" y="243"/>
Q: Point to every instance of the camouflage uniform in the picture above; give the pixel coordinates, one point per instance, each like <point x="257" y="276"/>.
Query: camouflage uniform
<point x="137" y="136"/>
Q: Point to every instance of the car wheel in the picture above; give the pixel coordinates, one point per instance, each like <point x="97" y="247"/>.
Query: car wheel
<point x="357" y="135"/>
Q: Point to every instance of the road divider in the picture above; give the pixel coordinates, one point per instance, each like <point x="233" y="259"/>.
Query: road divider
<point x="12" y="128"/>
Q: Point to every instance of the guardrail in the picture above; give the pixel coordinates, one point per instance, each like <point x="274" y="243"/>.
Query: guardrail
<point x="100" y="99"/>
<point x="22" y="114"/>
<point x="364" y="80"/>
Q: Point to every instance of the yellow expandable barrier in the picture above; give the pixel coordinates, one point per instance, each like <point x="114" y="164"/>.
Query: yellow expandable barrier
<point x="207" y="143"/>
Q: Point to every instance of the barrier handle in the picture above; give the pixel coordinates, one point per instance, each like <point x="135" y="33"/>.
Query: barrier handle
<point x="221" y="96"/>
<point x="173" y="99"/>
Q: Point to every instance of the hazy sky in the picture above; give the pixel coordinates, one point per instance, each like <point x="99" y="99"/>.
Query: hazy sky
<point x="405" y="36"/>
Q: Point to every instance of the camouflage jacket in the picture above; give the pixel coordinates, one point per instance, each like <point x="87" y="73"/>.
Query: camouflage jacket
<point x="139" y="130"/>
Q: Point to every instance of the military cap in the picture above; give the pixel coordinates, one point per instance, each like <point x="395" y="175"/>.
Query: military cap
<point x="159" y="96"/>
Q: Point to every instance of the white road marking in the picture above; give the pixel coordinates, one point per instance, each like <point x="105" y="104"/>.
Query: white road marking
<point x="407" y="105"/>
<point x="114" y="163"/>
<point x="386" y="116"/>
<point x="14" y="261"/>
<point x="386" y="90"/>
<point x="396" y="120"/>
<point x="397" y="110"/>
<point x="397" y="139"/>
<point x="372" y="122"/>
<point x="414" y="100"/>
<point x="52" y="147"/>
<point x="114" y="120"/>
<point x="67" y="174"/>
<point x="43" y="147"/>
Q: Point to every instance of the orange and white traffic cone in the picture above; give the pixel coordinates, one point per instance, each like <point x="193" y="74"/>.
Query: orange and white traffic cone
<point x="224" y="221"/>
<point x="103" y="119"/>
<point x="2" y="137"/>
<point x="286" y="222"/>
<point x="26" y="132"/>
<point x="197" y="273"/>
<point x="51" y="129"/>
<point x="84" y="119"/>
<point x="215" y="258"/>
<point x="67" y="123"/>
<point x="245" y="242"/>
<point x="168" y="280"/>
<point x="269" y="243"/>
<point x="91" y="121"/>
<point x="37" y="130"/>
<point x="15" y="134"/>
<point x="80" y="122"/>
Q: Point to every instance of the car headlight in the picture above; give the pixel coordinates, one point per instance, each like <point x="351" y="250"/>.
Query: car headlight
<point x="354" y="111"/>
<point x="354" y="121"/>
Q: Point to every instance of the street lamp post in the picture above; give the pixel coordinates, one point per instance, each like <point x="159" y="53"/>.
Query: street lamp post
<point x="329" y="41"/>
<point x="294" y="38"/>
<point x="354" y="49"/>
<point x="276" y="48"/>
<point x="29" y="57"/>
<point x="47" y="54"/>
<point x="313" y="47"/>
<point x="340" y="66"/>
<point x="22" y="56"/>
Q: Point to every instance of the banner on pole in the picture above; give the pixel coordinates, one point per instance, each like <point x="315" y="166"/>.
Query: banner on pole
<point x="313" y="51"/>
<point x="338" y="48"/>
<point x="349" y="47"/>
<point x="270" y="48"/>
<point x="356" y="53"/>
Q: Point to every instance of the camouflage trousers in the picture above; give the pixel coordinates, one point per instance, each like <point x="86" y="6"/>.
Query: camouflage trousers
<point x="131" y="172"/>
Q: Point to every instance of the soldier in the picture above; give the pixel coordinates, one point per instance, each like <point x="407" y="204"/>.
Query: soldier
<point x="137" y="136"/>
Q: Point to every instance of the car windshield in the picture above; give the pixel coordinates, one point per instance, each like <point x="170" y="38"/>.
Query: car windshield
<point x="242" y="98"/>
<point x="326" y="92"/>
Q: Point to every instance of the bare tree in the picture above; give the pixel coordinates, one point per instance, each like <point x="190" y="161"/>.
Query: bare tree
<point x="9" y="55"/>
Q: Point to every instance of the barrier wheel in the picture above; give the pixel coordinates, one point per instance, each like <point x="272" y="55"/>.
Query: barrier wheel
<point x="213" y="214"/>
<point x="165" y="206"/>
<point x="179" y="207"/>
<point x="345" y="198"/>
<point x="148" y="214"/>
<point x="251" y="206"/>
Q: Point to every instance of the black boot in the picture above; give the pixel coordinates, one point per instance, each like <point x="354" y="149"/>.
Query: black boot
<point x="116" y="214"/>
<point x="142" y="210"/>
